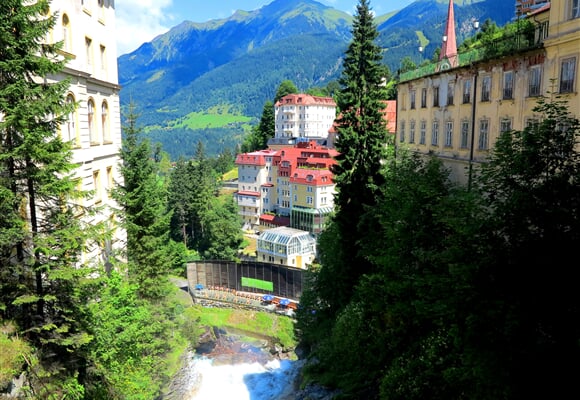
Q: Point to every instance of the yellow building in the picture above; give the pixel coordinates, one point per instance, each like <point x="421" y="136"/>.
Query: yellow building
<point x="457" y="107"/>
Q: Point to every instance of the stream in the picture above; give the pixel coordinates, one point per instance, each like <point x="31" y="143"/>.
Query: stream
<point x="236" y="366"/>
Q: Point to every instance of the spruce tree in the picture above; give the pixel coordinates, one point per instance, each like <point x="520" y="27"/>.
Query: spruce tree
<point x="143" y="198"/>
<point x="362" y="145"/>
<point x="41" y="276"/>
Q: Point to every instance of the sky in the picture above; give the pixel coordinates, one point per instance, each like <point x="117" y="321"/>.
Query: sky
<point x="140" y="21"/>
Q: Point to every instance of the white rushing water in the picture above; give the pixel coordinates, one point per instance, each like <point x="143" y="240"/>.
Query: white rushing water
<point x="249" y="381"/>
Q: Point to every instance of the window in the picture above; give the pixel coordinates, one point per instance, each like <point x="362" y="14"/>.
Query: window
<point x="103" y="54"/>
<point x="91" y="120"/>
<point x="89" y="51"/>
<point x="574" y="9"/>
<point x="486" y="88"/>
<point x="309" y="200"/>
<point x="436" y="96"/>
<point x="66" y="38"/>
<point x="508" y="85"/>
<point x="424" y="98"/>
<point x="412" y="132"/>
<point x="412" y="96"/>
<point x="535" y="81"/>
<point x="423" y="132"/>
<point x="435" y="133"/>
<point x="402" y="138"/>
<point x="483" y="134"/>
<point x="105" y="122"/>
<point x="450" y="97"/>
<point x="97" y="186"/>
<point x="109" y="179"/>
<point x="467" y="91"/>
<point x="69" y="127"/>
<point x="464" y="134"/>
<point x="567" y="72"/>
<point x="449" y="134"/>
<point x="505" y="125"/>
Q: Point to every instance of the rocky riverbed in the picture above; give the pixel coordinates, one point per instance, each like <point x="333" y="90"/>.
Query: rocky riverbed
<point x="238" y="365"/>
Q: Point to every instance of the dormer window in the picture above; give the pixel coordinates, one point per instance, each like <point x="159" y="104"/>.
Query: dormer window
<point x="309" y="178"/>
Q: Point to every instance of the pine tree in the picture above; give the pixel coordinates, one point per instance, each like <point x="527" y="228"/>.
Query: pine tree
<point x="41" y="276"/>
<point x="362" y="143"/>
<point x="143" y="198"/>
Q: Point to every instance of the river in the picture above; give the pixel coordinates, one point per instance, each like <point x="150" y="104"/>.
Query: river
<point x="234" y="366"/>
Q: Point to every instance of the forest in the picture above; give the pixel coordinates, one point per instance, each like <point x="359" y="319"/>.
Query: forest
<point x="425" y="289"/>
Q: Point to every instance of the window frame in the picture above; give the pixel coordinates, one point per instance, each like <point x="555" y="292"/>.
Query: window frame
<point x="535" y="81"/>
<point x="483" y="142"/>
<point x="423" y="132"/>
<point x="508" y="85"/>
<point x="486" y="88"/>
<point x="567" y="86"/>
<point x="435" y="133"/>
<point x="467" y="91"/>
<point x="449" y="134"/>
<point x="464" y="134"/>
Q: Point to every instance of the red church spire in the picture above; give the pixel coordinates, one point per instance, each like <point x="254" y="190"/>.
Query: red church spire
<point x="449" y="46"/>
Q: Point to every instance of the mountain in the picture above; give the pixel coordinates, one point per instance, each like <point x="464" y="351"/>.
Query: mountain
<point x="209" y="81"/>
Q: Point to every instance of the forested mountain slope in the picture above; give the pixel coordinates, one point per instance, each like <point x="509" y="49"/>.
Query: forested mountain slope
<point x="233" y="66"/>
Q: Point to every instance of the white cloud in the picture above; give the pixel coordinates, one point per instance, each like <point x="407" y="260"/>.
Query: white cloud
<point x="140" y="21"/>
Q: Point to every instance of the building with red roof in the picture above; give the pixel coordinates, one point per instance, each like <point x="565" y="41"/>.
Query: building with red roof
<point x="292" y="186"/>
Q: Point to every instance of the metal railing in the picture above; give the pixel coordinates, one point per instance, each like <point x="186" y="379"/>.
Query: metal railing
<point x="508" y="44"/>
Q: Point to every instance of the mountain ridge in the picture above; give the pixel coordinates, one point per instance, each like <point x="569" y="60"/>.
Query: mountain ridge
<point x="237" y="63"/>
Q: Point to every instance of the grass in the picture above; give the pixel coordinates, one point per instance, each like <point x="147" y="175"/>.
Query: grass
<point x="232" y="174"/>
<point x="216" y="117"/>
<point x="263" y="323"/>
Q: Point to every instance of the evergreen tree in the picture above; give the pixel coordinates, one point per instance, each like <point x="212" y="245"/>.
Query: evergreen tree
<point x="532" y="185"/>
<point x="180" y="192"/>
<point x="41" y="276"/>
<point x="223" y="236"/>
<point x="285" y="88"/>
<point x="267" y="126"/>
<point x="362" y="145"/>
<point x="143" y="198"/>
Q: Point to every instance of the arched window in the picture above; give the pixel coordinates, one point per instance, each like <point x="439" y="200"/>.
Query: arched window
<point x="105" y="122"/>
<point x="67" y="45"/>
<point x="69" y="131"/>
<point x="91" y="119"/>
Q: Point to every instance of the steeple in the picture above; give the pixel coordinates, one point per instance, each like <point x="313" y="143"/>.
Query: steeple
<point x="449" y="46"/>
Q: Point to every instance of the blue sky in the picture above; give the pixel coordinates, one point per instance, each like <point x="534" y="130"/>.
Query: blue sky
<point x="139" y="21"/>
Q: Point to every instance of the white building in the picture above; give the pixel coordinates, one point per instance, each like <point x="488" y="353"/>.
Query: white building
<point x="287" y="246"/>
<point x="87" y="30"/>
<point x="303" y="116"/>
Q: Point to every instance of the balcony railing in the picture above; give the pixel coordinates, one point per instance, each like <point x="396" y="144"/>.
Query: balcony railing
<point x="512" y="43"/>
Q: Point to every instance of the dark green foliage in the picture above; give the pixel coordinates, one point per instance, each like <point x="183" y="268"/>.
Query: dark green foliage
<point x="286" y="87"/>
<point x="258" y="138"/>
<point x="41" y="239"/>
<point x="361" y="143"/>
<point x="223" y="235"/>
<point x="130" y="341"/>
<point x="532" y="185"/>
<point x="473" y="293"/>
<point x="143" y="199"/>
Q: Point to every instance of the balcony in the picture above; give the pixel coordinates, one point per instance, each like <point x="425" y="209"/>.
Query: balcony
<point x="510" y="43"/>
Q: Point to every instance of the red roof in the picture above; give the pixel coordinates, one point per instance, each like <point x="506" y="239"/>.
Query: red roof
<point x="246" y="193"/>
<point x="390" y="112"/>
<point x="305" y="100"/>
<point x="255" y="157"/>
<point x="275" y="220"/>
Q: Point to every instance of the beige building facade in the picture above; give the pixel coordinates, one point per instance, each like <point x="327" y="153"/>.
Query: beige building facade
<point x="87" y="30"/>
